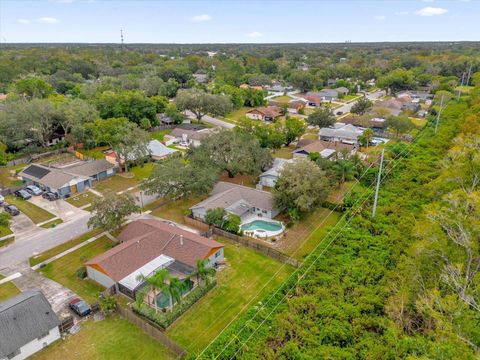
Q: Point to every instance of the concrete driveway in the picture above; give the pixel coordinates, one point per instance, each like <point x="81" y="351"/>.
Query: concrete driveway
<point x="59" y="208"/>
<point x="21" y="225"/>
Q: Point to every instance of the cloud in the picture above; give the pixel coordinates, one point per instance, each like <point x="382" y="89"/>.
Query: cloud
<point x="255" y="34"/>
<point x="402" y="13"/>
<point x="380" y="17"/>
<point x="201" y="18"/>
<point x="48" y="20"/>
<point x="430" y="11"/>
<point x="23" y="21"/>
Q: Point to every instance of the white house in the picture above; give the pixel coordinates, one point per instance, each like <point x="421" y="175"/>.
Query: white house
<point x="270" y="177"/>
<point x="27" y="325"/>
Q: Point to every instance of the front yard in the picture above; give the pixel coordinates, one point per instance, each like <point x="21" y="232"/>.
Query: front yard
<point x="64" y="270"/>
<point x="282" y="99"/>
<point x="124" y="181"/>
<point x="237" y="114"/>
<point x="82" y="199"/>
<point x="113" y="338"/>
<point x="245" y="278"/>
<point x="35" y="213"/>
<point x="7" y="290"/>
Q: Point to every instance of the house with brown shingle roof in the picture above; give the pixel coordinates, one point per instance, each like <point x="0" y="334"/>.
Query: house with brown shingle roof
<point x="269" y="113"/>
<point x="146" y="246"/>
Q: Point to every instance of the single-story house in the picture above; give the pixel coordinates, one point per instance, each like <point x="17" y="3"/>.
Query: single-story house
<point x="313" y="100"/>
<point x="67" y="180"/>
<point x="27" y="325"/>
<point x="294" y="106"/>
<point x="164" y="119"/>
<point x="342" y="90"/>
<point x="394" y="106"/>
<point x="270" y="177"/>
<point x="331" y="82"/>
<point x="158" y="151"/>
<point x="187" y="137"/>
<point x="269" y="113"/>
<point x="374" y="123"/>
<point x="237" y="199"/>
<point x="411" y="106"/>
<point x="345" y="133"/>
<point x="326" y="149"/>
<point x="324" y="94"/>
<point x="146" y="246"/>
<point x="200" y="78"/>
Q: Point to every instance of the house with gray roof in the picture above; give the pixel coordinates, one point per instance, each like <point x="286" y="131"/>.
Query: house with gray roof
<point x="27" y="325"/>
<point x="239" y="200"/>
<point x="67" y="180"/>
<point x="270" y="177"/>
<point x="324" y="94"/>
<point x="341" y="132"/>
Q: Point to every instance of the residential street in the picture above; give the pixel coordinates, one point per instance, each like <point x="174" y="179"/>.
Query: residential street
<point x="211" y="120"/>
<point x="371" y="96"/>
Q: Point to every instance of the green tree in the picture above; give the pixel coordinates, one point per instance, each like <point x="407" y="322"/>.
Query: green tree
<point x="5" y="219"/>
<point x="366" y="137"/>
<point x="399" y="124"/>
<point x="215" y="217"/>
<point x="110" y="212"/>
<point x="158" y="282"/>
<point x="178" y="179"/>
<point x="204" y="272"/>
<point x="344" y="170"/>
<point x="396" y="80"/>
<point x="32" y="87"/>
<point x="294" y="128"/>
<point x="361" y="106"/>
<point x="302" y="80"/>
<point x="321" y="117"/>
<point x="302" y="186"/>
<point x="201" y="103"/>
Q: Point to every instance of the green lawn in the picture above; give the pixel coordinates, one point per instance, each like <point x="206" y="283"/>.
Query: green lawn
<point x="52" y="224"/>
<point x="7" y="290"/>
<point x="304" y="234"/>
<point x="283" y="99"/>
<point x="95" y="153"/>
<point x="350" y="97"/>
<point x="37" y="259"/>
<point x="4" y="231"/>
<point x="35" y="213"/>
<point x="7" y="241"/>
<point x="112" y="339"/>
<point x="241" y="281"/>
<point x="159" y="135"/>
<point x="284" y="152"/>
<point x="7" y="178"/>
<point x="176" y="210"/>
<point x="82" y="199"/>
<point x="142" y="171"/>
<point x="63" y="270"/>
<point x="237" y="114"/>
<point x="114" y="183"/>
<point x="419" y="122"/>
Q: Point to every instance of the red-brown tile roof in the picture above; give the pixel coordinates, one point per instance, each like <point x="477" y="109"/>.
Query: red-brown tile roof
<point x="146" y="239"/>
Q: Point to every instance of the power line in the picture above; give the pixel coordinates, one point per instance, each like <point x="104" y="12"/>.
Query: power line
<point x="439" y="114"/>
<point x="377" y="188"/>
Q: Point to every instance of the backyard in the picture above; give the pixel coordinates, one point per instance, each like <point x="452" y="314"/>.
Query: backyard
<point x="113" y="338"/>
<point x="160" y="134"/>
<point x="7" y="175"/>
<point x="284" y="152"/>
<point x="64" y="270"/>
<point x="7" y="290"/>
<point x="175" y="210"/>
<point x="244" y="280"/>
<point x="305" y="235"/>
<point x="35" y="213"/>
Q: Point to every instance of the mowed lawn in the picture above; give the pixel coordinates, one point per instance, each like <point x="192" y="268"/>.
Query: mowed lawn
<point x="82" y="199"/>
<point x="284" y="152"/>
<point x="176" y="210"/>
<point x="283" y="99"/>
<point x="7" y="175"/>
<point x="37" y="259"/>
<point x="238" y="114"/>
<point x="305" y="235"/>
<point x="160" y="134"/>
<point x="111" y="339"/>
<point x="246" y="278"/>
<point x="7" y="290"/>
<point x="35" y="213"/>
<point x="114" y="184"/>
<point x="64" y="270"/>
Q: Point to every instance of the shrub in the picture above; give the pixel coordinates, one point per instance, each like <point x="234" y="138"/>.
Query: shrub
<point x="164" y="319"/>
<point x="81" y="273"/>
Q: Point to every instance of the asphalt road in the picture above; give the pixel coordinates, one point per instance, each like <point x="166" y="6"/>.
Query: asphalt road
<point x="371" y="96"/>
<point x="211" y="120"/>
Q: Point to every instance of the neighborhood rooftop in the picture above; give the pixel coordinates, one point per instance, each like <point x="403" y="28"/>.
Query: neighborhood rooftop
<point x="24" y="318"/>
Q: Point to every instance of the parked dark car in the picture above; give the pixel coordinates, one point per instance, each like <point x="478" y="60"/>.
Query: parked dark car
<point x="80" y="307"/>
<point x="12" y="210"/>
<point x="339" y="112"/>
<point x="23" y="194"/>
<point x="50" y="196"/>
<point x="34" y="190"/>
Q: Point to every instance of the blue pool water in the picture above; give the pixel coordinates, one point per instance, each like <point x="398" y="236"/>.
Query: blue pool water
<point x="261" y="225"/>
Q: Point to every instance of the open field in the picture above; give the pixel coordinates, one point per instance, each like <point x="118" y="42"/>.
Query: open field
<point x="63" y="270"/>
<point x="245" y="277"/>
<point x="82" y="199"/>
<point x="304" y="235"/>
<point x="113" y="338"/>
<point x="35" y="213"/>
<point x="37" y="259"/>
<point x="7" y="290"/>
<point x="160" y="134"/>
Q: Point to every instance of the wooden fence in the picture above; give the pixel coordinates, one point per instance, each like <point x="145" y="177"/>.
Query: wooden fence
<point x="251" y="243"/>
<point x="150" y="329"/>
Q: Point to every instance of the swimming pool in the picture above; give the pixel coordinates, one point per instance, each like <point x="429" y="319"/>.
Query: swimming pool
<point x="261" y="225"/>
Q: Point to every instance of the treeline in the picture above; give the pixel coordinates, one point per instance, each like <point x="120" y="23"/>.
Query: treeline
<point x="402" y="285"/>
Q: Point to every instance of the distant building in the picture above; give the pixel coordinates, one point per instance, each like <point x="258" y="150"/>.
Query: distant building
<point x="341" y="132"/>
<point x="27" y="325"/>
<point x="342" y="90"/>
<point x="325" y="149"/>
<point x="269" y="113"/>
<point x="187" y="136"/>
<point x="270" y="177"/>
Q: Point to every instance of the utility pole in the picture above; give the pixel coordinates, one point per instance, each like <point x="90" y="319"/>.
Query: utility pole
<point x="121" y="39"/>
<point x="439" y="113"/>
<point x="377" y="189"/>
<point x="468" y="76"/>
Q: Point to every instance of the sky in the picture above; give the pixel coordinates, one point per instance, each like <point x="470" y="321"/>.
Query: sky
<point x="231" y="21"/>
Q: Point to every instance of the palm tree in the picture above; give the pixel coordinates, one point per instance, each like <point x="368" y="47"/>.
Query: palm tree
<point x="367" y="136"/>
<point x="204" y="272"/>
<point x="157" y="281"/>
<point x="344" y="169"/>
<point x="175" y="290"/>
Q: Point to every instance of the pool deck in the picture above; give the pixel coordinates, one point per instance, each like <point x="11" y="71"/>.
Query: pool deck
<point x="261" y="233"/>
